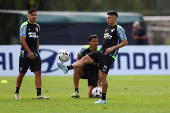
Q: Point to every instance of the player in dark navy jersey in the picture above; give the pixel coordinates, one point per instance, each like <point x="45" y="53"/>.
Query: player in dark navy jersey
<point x="88" y="71"/>
<point x="29" y="54"/>
<point x="114" y="38"/>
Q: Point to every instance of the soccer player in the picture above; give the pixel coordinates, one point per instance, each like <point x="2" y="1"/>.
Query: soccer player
<point x="29" y="54"/>
<point x="114" y="38"/>
<point x="88" y="71"/>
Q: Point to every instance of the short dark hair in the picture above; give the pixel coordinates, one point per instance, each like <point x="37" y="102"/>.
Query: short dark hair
<point x="30" y="11"/>
<point x="112" y="13"/>
<point x="92" y="36"/>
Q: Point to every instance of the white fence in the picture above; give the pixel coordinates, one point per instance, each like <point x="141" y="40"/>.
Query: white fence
<point x="131" y="60"/>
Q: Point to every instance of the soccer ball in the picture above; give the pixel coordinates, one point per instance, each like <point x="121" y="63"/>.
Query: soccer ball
<point x="64" y="55"/>
<point x="97" y="92"/>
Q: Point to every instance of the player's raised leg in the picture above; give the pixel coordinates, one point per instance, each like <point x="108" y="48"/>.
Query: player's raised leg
<point x="85" y="60"/>
<point x="63" y="67"/>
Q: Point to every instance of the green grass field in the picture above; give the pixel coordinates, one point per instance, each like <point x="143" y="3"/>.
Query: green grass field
<point x="126" y="94"/>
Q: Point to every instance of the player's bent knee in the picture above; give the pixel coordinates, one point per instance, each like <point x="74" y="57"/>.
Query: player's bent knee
<point x="87" y="60"/>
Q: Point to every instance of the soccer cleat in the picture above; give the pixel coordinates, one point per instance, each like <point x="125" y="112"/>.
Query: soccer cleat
<point x="62" y="67"/>
<point x="42" y="97"/>
<point x="17" y="96"/>
<point x="101" y="102"/>
<point x="75" y="94"/>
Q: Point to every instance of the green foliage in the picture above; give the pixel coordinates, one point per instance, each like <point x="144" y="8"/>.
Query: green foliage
<point x="126" y="94"/>
<point x="145" y="7"/>
<point x="87" y="5"/>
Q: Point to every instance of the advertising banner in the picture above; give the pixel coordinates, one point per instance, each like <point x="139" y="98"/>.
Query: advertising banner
<point x="131" y="60"/>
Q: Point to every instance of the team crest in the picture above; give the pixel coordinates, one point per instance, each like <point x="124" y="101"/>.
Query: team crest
<point x="112" y="30"/>
<point x="36" y="29"/>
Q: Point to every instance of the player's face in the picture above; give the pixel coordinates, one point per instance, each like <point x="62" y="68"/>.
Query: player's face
<point x="32" y="17"/>
<point x="94" y="43"/>
<point x="138" y="27"/>
<point x="111" y="20"/>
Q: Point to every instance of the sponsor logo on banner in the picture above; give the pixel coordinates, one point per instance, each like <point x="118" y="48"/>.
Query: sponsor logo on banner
<point x="48" y="57"/>
<point x="138" y="60"/>
<point x="129" y="61"/>
<point x="4" y="58"/>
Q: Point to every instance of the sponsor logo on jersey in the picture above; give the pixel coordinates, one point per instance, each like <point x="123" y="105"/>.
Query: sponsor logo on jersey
<point x="32" y="34"/>
<point x="121" y="35"/>
<point x="94" y="63"/>
<point x="24" y="31"/>
<point x="107" y="36"/>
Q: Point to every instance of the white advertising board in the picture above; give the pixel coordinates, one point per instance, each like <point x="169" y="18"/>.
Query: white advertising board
<point x="131" y="60"/>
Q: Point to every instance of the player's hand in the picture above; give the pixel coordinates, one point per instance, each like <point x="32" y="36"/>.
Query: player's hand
<point x="31" y="55"/>
<point x="108" y="50"/>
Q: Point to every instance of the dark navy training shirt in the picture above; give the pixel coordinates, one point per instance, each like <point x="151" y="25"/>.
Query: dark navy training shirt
<point x="31" y="32"/>
<point x="113" y="36"/>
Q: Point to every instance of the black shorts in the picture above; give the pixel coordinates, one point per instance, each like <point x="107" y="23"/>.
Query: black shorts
<point x="92" y="76"/>
<point x="105" y="61"/>
<point x="25" y="63"/>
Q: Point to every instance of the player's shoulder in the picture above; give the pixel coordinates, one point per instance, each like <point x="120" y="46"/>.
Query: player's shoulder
<point x="37" y="24"/>
<point x="120" y="27"/>
<point x="121" y="32"/>
<point x="98" y="48"/>
<point x="85" y="46"/>
<point x="24" y="24"/>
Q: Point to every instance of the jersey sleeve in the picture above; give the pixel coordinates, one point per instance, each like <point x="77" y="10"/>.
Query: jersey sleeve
<point x="121" y="33"/>
<point x="38" y="27"/>
<point x="23" y="31"/>
<point x="81" y="51"/>
<point x="39" y="31"/>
